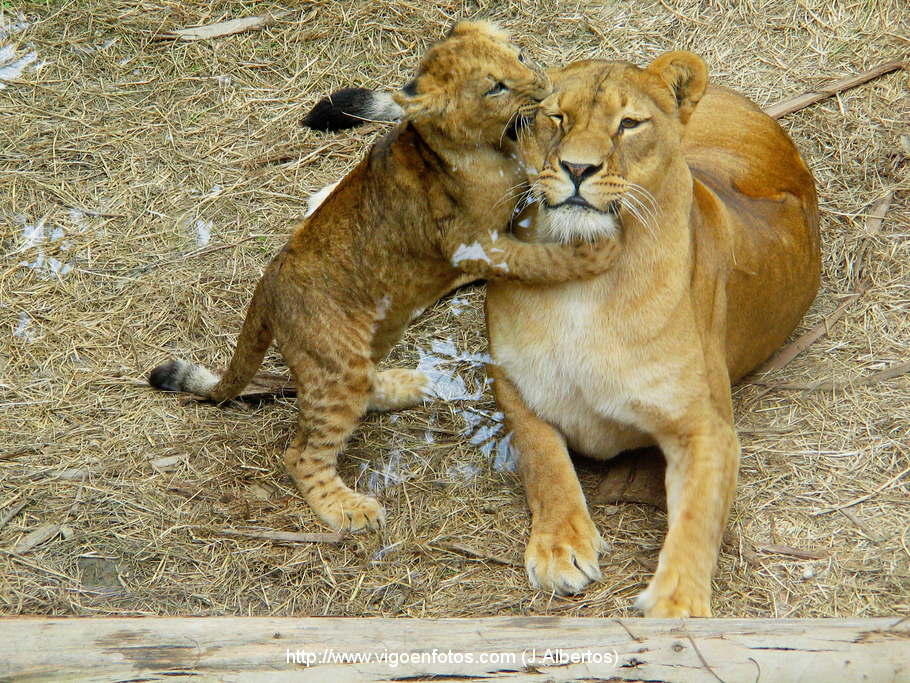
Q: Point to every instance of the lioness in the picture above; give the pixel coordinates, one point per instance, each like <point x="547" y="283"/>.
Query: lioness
<point x="406" y="225"/>
<point x="717" y="214"/>
<point x="719" y="222"/>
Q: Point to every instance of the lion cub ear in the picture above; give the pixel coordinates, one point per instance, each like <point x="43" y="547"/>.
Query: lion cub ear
<point x="418" y="99"/>
<point x="487" y="28"/>
<point x="687" y="77"/>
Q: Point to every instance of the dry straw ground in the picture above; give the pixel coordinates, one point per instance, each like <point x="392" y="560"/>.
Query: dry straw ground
<point x="144" y="184"/>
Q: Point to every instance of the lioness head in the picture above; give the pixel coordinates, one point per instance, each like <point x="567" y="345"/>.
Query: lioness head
<point x="603" y="142"/>
<point x="473" y="85"/>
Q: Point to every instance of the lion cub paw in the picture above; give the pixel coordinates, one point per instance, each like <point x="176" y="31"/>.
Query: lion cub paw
<point x="563" y="559"/>
<point x="349" y="511"/>
<point x="666" y="596"/>
<point x="398" y="388"/>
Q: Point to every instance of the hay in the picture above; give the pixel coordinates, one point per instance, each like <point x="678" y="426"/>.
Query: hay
<point x="144" y="184"/>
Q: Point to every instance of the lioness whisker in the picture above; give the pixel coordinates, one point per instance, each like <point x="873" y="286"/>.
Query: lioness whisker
<point x="637" y="208"/>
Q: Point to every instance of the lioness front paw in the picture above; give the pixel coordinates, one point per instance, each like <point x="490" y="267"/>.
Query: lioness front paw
<point x="667" y="596"/>
<point x="563" y="559"/>
<point x="349" y="511"/>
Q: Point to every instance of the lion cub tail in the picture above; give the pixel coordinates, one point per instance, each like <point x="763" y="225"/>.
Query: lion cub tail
<point x="352" y="107"/>
<point x="254" y="340"/>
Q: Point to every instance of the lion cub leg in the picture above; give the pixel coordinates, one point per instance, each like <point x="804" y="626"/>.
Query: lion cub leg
<point x="563" y="550"/>
<point x="492" y="256"/>
<point x="397" y="388"/>
<point x="331" y="398"/>
<point x="702" y="463"/>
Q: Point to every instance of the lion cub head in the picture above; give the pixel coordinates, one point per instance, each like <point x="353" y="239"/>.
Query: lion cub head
<point x="603" y="143"/>
<point x="473" y="86"/>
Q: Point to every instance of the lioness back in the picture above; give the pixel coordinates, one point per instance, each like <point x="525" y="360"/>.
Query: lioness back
<point x="746" y="160"/>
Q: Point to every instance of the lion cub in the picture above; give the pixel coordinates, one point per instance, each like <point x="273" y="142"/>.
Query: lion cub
<point x="415" y="218"/>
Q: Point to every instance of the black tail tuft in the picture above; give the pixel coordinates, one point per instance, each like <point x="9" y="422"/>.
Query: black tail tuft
<point x="168" y="376"/>
<point x="345" y="108"/>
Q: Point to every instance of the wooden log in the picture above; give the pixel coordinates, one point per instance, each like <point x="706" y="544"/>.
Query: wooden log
<point x="499" y="648"/>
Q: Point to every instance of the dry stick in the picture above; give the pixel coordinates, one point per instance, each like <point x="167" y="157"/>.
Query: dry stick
<point x="860" y="525"/>
<point x="874" y="221"/>
<point x="283" y="536"/>
<point x="861" y="499"/>
<point x="805" y="340"/>
<point x="793" y="104"/>
<point x="470" y="552"/>
<point x="223" y="28"/>
<point x="12" y="513"/>
<point x="776" y="549"/>
<point x="890" y="372"/>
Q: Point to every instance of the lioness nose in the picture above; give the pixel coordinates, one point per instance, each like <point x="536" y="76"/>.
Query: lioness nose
<point x="578" y="172"/>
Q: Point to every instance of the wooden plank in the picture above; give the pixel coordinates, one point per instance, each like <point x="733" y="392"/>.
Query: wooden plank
<point x="499" y="648"/>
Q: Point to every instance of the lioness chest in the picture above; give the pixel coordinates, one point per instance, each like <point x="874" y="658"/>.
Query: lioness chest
<point x="572" y="367"/>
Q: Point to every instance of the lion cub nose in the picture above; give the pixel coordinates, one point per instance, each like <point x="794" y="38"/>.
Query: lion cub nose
<point x="579" y="172"/>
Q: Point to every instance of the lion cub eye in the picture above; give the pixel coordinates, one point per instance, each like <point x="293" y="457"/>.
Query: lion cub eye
<point x="497" y="89"/>
<point x="557" y="118"/>
<point x="629" y="123"/>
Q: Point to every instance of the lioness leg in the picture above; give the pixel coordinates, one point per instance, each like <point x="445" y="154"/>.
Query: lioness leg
<point x="702" y="463"/>
<point x="398" y="388"/>
<point x="331" y="398"/>
<point x="562" y="552"/>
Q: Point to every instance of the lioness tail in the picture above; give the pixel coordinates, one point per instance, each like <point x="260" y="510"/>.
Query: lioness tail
<point x="352" y="107"/>
<point x="253" y="342"/>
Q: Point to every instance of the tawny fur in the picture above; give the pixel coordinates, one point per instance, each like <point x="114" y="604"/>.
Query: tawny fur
<point x="713" y="276"/>
<point x="414" y="219"/>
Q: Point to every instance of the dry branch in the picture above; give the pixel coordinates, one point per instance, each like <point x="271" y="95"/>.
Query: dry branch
<point x="890" y="372"/>
<point x="793" y="104"/>
<point x="222" y="28"/>
<point x="500" y="648"/>
<point x="874" y="221"/>
<point x="281" y="536"/>
<point x="471" y="552"/>
<point x="12" y="512"/>
<point x="805" y="340"/>
<point x="42" y="534"/>
<point x="776" y="549"/>
<point x="888" y="484"/>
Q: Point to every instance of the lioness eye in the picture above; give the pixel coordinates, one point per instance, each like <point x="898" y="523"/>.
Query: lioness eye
<point x="628" y="123"/>
<point x="556" y="118"/>
<point x="497" y="89"/>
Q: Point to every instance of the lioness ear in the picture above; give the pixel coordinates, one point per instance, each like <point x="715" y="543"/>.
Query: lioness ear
<point x="687" y="77"/>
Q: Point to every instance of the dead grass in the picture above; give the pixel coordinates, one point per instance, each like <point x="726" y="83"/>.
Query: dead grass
<point x="124" y="143"/>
